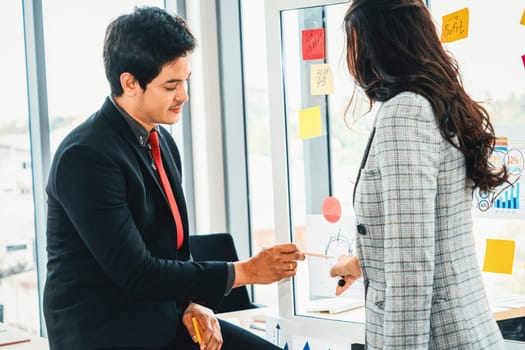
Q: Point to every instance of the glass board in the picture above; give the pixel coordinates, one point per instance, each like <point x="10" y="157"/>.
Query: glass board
<point x="317" y="146"/>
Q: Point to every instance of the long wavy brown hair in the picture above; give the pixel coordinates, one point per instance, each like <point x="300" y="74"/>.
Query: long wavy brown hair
<point x="393" y="46"/>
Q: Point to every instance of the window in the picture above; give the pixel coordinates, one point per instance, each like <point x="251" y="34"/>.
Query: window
<point x="18" y="278"/>
<point x="74" y="36"/>
<point x="76" y="88"/>
<point x="346" y="152"/>
<point x="258" y="137"/>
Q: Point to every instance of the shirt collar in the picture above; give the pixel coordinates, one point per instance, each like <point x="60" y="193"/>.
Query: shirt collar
<point x="138" y="130"/>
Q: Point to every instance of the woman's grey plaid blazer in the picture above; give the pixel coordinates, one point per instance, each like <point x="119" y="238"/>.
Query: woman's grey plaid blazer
<point x="415" y="244"/>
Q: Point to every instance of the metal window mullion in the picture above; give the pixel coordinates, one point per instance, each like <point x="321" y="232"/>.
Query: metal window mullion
<point x="39" y="131"/>
<point x="234" y="124"/>
<point x="185" y="146"/>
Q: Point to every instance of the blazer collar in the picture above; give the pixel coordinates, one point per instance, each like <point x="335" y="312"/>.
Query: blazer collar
<point x="375" y="112"/>
<point x="138" y="129"/>
<point x="122" y="128"/>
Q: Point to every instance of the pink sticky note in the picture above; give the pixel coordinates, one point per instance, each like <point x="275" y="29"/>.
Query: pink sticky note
<point x="331" y="209"/>
<point x="313" y="44"/>
<point x="523" y="59"/>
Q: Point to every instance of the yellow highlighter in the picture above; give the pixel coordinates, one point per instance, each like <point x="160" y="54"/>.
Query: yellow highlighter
<point x="197" y="329"/>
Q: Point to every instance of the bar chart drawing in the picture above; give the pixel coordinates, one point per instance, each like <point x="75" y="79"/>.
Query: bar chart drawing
<point x="510" y="199"/>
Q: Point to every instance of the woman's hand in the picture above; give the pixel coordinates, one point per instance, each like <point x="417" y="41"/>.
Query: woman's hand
<point x="210" y="330"/>
<point x="347" y="266"/>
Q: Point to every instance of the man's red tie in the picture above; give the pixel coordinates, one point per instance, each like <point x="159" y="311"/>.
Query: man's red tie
<point x="155" y="152"/>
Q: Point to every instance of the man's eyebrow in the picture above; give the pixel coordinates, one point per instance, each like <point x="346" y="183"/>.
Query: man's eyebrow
<point x="176" y="80"/>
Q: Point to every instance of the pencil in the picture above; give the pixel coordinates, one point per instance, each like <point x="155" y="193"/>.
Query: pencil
<point x="318" y="255"/>
<point x="197" y="329"/>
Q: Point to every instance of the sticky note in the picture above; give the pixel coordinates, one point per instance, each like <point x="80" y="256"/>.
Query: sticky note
<point x="499" y="256"/>
<point x="455" y="26"/>
<point x="522" y="22"/>
<point x="313" y="44"/>
<point x="331" y="209"/>
<point x="310" y="124"/>
<point x="321" y="79"/>
<point x="523" y="59"/>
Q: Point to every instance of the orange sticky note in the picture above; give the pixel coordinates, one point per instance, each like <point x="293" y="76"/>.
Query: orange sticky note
<point x="321" y="79"/>
<point x="499" y="256"/>
<point x="310" y="124"/>
<point x="522" y="22"/>
<point x="455" y="26"/>
<point x="313" y="44"/>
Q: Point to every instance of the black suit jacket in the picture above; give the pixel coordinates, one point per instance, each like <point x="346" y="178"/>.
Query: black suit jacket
<point x="114" y="275"/>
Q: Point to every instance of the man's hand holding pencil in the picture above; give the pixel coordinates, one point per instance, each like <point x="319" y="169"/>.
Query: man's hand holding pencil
<point x="203" y="327"/>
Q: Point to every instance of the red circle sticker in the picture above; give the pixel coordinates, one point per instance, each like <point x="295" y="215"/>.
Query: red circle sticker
<point x="332" y="209"/>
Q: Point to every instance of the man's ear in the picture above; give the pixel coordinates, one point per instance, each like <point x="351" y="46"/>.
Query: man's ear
<point x="129" y="84"/>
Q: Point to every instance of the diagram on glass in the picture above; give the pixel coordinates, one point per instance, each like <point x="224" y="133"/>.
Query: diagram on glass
<point x="332" y="239"/>
<point x="507" y="199"/>
<point x="339" y="244"/>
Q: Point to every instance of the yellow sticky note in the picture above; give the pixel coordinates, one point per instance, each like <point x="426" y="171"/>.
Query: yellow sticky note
<point x="310" y="124"/>
<point x="522" y="22"/>
<point x="499" y="256"/>
<point x="321" y="79"/>
<point x="455" y="26"/>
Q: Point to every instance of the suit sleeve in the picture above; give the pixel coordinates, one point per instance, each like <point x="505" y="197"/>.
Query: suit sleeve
<point x="407" y="151"/>
<point x="91" y="188"/>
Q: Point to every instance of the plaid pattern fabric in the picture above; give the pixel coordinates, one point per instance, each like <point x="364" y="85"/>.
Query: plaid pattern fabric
<point x="424" y="285"/>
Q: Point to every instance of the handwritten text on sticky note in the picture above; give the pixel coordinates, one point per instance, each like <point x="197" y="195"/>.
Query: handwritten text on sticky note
<point x="455" y="26"/>
<point x="310" y="124"/>
<point x="499" y="256"/>
<point x="321" y="79"/>
<point x="313" y="44"/>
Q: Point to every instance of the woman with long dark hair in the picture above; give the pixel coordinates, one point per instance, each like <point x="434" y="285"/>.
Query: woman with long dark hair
<point x="428" y="151"/>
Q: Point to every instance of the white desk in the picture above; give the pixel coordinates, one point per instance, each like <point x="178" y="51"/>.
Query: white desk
<point x="245" y="318"/>
<point x="257" y="317"/>
<point x="20" y="340"/>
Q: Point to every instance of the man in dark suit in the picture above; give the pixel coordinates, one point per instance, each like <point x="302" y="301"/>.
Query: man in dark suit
<point x="119" y="269"/>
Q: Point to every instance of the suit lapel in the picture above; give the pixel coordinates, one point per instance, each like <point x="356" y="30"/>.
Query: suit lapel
<point x="374" y="113"/>
<point x="123" y="130"/>
<point x="363" y="162"/>
<point x="143" y="156"/>
<point x="173" y="174"/>
<point x="175" y="179"/>
<point x="169" y="161"/>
